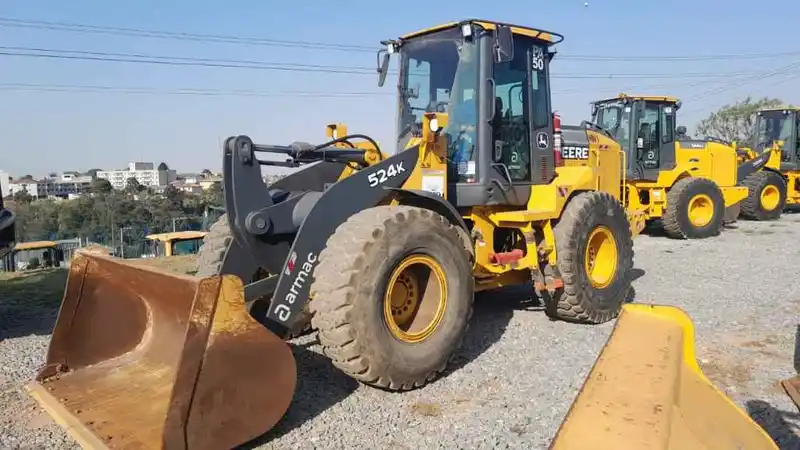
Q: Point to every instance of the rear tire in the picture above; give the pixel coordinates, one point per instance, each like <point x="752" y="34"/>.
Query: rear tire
<point x="209" y="261"/>
<point x="766" y="196"/>
<point x="594" y="247"/>
<point x="695" y="209"/>
<point x="365" y="332"/>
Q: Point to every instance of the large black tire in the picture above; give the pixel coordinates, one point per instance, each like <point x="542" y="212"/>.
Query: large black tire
<point x="677" y="222"/>
<point x="352" y="279"/>
<point x="769" y="207"/>
<point x="209" y="260"/>
<point x="596" y="215"/>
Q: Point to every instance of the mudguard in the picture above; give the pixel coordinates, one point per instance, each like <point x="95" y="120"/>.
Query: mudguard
<point x="646" y="391"/>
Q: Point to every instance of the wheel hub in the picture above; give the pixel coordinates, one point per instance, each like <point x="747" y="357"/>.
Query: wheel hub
<point x="601" y="257"/>
<point x="770" y="197"/>
<point x="701" y="210"/>
<point x="415" y="300"/>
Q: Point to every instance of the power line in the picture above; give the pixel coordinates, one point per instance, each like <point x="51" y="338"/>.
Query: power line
<point x="761" y="76"/>
<point x="169" y="60"/>
<point x="246" y="40"/>
<point x="179" y="91"/>
<point x="198" y="37"/>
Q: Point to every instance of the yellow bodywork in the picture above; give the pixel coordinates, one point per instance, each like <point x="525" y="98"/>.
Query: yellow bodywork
<point x="646" y="391"/>
<point x="601" y="172"/>
<point x="717" y="162"/>
<point x="488" y="25"/>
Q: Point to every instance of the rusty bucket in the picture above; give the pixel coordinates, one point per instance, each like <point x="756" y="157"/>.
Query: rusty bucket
<point x="144" y="359"/>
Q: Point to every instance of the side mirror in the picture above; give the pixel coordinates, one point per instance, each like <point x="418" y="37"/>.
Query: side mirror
<point x="504" y="44"/>
<point x="383" y="68"/>
<point x="681" y="130"/>
<point x="594" y="110"/>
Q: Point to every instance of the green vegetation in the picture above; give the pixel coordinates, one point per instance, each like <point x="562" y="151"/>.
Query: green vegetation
<point x="100" y="214"/>
<point x="735" y="122"/>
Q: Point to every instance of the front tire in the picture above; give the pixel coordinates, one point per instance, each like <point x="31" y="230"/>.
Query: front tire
<point x="594" y="248"/>
<point x="766" y="196"/>
<point x="393" y="295"/>
<point x="695" y="209"/>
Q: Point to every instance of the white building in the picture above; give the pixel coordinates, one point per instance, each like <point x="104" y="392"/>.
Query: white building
<point x="145" y="173"/>
<point x="69" y="185"/>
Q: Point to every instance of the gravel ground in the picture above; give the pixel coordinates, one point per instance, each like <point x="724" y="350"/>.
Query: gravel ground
<point x="515" y="379"/>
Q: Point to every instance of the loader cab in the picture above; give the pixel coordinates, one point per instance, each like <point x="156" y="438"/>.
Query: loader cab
<point x="779" y="125"/>
<point x="492" y="82"/>
<point x="645" y="128"/>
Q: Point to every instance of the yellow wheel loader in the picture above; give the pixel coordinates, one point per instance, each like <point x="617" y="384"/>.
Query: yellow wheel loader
<point x="776" y="147"/>
<point x="690" y="185"/>
<point x="383" y="251"/>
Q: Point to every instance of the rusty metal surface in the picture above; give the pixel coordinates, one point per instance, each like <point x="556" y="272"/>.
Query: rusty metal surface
<point x="792" y="388"/>
<point x="144" y="359"/>
<point x="647" y="391"/>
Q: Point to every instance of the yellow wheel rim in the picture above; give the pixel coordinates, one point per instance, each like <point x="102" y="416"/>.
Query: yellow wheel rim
<point x="600" y="260"/>
<point x="770" y="197"/>
<point x="415" y="299"/>
<point x="701" y="210"/>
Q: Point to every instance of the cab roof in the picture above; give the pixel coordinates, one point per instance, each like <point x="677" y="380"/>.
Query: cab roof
<point x="647" y="98"/>
<point x="781" y="108"/>
<point x="547" y="36"/>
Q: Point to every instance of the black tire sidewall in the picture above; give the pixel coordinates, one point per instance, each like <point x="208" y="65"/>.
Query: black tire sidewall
<point x="600" y="213"/>
<point x="695" y="187"/>
<point x="768" y="178"/>
<point x="410" y="361"/>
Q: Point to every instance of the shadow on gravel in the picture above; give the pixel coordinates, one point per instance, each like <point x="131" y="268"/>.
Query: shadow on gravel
<point x="29" y="302"/>
<point x="780" y="425"/>
<point x="319" y="386"/>
<point x="492" y="312"/>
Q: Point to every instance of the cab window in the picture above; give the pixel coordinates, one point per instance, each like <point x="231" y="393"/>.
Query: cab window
<point x="511" y="124"/>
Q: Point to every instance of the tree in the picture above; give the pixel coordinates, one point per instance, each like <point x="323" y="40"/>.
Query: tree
<point x="132" y="186"/>
<point x="206" y="173"/>
<point x="92" y="172"/>
<point x="22" y="197"/>
<point x="163" y="167"/>
<point x="101" y="185"/>
<point x="735" y="122"/>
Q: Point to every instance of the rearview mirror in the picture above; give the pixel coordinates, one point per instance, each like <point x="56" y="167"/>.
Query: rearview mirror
<point x="383" y="69"/>
<point x="504" y="44"/>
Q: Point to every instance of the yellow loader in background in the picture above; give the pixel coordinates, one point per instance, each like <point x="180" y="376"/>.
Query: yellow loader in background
<point x="383" y="252"/>
<point x="777" y="142"/>
<point x="689" y="184"/>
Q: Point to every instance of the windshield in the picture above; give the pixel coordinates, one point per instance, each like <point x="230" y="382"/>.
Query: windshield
<point x="615" y="118"/>
<point x="772" y="126"/>
<point x="438" y="73"/>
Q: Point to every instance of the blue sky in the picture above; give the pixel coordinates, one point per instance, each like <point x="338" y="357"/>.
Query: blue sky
<point x="56" y="131"/>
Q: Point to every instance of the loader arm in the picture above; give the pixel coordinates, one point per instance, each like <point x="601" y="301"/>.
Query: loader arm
<point x="646" y="391"/>
<point x="753" y="165"/>
<point x="285" y="232"/>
